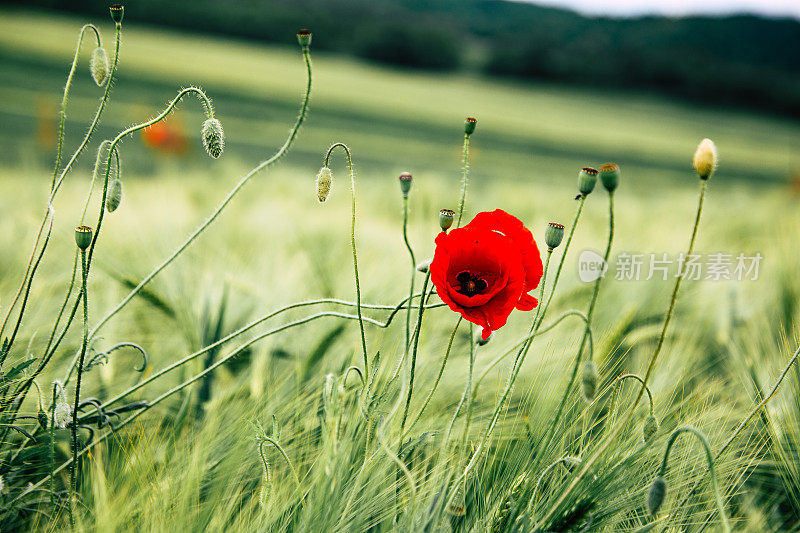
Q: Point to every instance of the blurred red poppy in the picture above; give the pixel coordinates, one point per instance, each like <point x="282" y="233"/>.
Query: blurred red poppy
<point x="487" y="268"/>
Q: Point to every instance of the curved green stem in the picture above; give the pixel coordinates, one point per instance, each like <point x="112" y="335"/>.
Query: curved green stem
<point x="413" y="270"/>
<point x="215" y="214"/>
<point x="607" y="442"/>
<point x="353" y="245"/>
<point x="707" y="449"/>
<point x="414" y="352"/>
<point x="561" y="460"/>
<point x="616" y="385"/>
<point x="265" y="438"/>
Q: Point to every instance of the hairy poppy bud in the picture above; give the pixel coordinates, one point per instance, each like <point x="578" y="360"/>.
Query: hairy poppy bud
<point x="114" y="195"/>
<point x="83" y="237"/>
<point x="553" y="235"/>
<point x="405" y="183"/>
<point x="589" y="380"/>
<point x="213" y="137"/>
<point x="469" y="125"/>
<point x="98" y="66"/>
<point x="117" y="12"/>
<point x="587" y="178"/>
<point x="41" y="417"/>
<point x="609" y="176"/>
<point x="324" y="182"/>
<point x="446" y="218"/>
<point x="424" y="266"/>
<point x="656" y="495"/>
<point x="304" y="38"/>
<point x="650" y="428"/>
<point x="705" y="159"/>
<point x="62" y="414"/>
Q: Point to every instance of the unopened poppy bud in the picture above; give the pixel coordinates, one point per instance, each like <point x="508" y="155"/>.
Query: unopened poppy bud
<point x="304" y="38"/>
<point x="213" y="137"/>
<point x="117" y="12"/>
<point x="98" y="66"/>
<point x="587" y="179"/>
<point x="553" y="235"/>
<point x="589" y="380"/>
<point x="41" y="417"/>
<point x="424" y="266"/>
<point x="656" y="495"/>
<point x="405" y="183"/>
<point x="114" y="195"/>
<point x="705" y="159"/>
<point x="609" y="176"/>
<point x="480" y="341"/>
<point x="83" y="237"/>
<point x="324" y="182"/>
<point x="469" y="125"/>
<point x="446" y="217"/>
<point x="62" y="414"/>
<point x="650" y="428"/>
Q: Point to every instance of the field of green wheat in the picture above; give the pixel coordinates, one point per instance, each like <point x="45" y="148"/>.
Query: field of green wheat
<point x="226" y="384"/>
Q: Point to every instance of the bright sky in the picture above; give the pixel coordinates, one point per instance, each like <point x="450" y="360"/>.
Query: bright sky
<point x="771" y="8"/>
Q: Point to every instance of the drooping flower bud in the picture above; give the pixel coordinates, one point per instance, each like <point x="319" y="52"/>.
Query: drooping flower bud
<point x="114" y="196"/>
<point x="62" y="414"/>
<point x="83" y="237"/>
<point x="98" y="66"/>
<point x="589" y="380"/>
<point x="213" y="137"/>
<point x="304" y="38"/>
<point x="324" y="182"/>
<point x="469" y="125"/>
<point x="41" y="417"/>
<point x="609" y="176"/>
<point x="424" y="266"/>
<point x="705" y="159"/>
<point x="650" y="428"/>
<point x="117" y="12"/>
<point x="446" y="217"/>
<point x="553" y="235"/>
<point x="656" y="495"/>
<point x="405" y="183"/>
<point x="587" y="179"/>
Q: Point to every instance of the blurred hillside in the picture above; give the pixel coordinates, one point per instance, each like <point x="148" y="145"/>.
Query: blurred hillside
<point x="743" y="60"/>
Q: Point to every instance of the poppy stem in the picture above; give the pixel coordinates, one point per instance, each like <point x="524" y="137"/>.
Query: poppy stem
<point x="413" y="271"/>
<point x="438" y="377"/>
<point x="414" y="353"/>
<point x="651" y="365"/>
<point x="707" y="449"/>
<point x="73" y="470"/>
<point x="353" y="246"/>
<point x="464" y="178"/>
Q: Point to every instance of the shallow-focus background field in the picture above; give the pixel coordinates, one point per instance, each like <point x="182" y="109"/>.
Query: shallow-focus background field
<point x="276" y="245"/>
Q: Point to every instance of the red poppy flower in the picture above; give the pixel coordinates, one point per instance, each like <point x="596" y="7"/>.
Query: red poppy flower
<point x="487" y="268"/>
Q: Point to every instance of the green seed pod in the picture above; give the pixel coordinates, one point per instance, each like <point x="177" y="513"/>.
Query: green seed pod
<point x="609" y="176"/>
<point x="424" y="266"/>
<point x="304" y="38"/>
<point x="650" y="428"/>
<point x="705" y="159"/>
<point x="114" y="196"/>
<point x="589" y="380"/>
<point x="98" y="66"/>
<point x="553" y="235"/>
<point x="324" y="182"/>
<point x="213" y="137"/>
<point x="405" y="183"/>
<point x="446" y="217"/>
<point x="656" y="495"/>
<point x="83" y="237"/>
<point x="469" y="125"/>
<point x="587" y="179"/>
<point x="62" y="414"/>
<point x="117" y="12"/>
<point x="41" y="417"/>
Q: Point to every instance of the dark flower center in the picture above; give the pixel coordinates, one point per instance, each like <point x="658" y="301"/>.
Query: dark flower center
<point x="470" y="283"/>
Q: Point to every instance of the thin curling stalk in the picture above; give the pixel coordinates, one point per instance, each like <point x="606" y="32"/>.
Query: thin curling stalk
<point x="707" y="450"/>
<point x="353" y="246"/>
